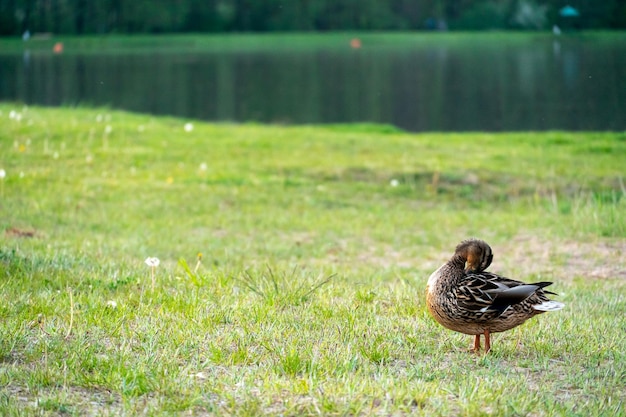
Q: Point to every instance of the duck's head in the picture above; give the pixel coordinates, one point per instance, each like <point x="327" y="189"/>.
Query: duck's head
<point x="476" y="253"/>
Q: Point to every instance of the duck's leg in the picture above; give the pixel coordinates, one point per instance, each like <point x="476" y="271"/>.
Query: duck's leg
<point x="477" y="343"/>
<point x="487" y="341"/>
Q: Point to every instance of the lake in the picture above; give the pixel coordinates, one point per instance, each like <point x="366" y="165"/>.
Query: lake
<point x="498" y="82"/>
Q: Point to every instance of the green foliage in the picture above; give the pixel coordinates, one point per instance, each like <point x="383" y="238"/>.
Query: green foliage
<point x="255" y="325"/>
<point x="283" y="289"/>
<point x="158" y="16"/>
<point x="488" y="15"/>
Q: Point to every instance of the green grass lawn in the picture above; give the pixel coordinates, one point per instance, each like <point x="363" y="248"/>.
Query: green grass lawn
<point x="291" y="41"/>
<point x="282" y="42"/>
<point x="316" y="244"/>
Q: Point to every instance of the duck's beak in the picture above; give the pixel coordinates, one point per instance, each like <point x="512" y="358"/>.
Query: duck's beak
<point x="469" y="269"/>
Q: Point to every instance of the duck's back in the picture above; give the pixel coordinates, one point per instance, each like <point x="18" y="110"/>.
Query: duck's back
<point x="486" y="301"/>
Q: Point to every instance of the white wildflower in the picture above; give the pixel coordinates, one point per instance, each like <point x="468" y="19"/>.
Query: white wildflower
<point x="152" y="261"/>
<point x="13" y="115"/>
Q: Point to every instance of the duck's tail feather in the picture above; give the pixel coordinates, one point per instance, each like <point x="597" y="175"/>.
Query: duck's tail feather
<point x="549" y="306"/>
<point x="544" y="284"/>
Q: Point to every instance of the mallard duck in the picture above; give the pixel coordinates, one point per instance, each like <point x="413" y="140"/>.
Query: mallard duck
<point x="465" y="298"/>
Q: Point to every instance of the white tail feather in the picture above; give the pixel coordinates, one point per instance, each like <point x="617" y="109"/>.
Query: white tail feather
<point x="549" y="306"/>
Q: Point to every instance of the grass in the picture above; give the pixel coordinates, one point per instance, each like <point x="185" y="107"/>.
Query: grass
<point x="296" y="41"/>
<point x="293" y="266"/>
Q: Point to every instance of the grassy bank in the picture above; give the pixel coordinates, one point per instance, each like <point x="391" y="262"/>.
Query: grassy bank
<point x="315" y="243"/>
<point x="298" y="41"/>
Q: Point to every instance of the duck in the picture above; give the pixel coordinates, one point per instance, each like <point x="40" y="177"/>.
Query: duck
<point x="462" y="296"/>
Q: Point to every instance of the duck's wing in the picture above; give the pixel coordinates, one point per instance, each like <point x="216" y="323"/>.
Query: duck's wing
<point x="486" y="292"/>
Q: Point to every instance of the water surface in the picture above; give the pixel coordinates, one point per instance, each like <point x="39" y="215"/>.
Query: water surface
<point x="569" y="83"/>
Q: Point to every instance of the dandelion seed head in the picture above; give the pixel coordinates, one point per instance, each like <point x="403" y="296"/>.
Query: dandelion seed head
<point x="111" y="304"/>
<point x="140" y="128"/>
<point x="3" y="174"/>
<point x="108" y="129"/>
<point x="203" y="166"/>
<point x="99" y="118"/>
<point x="55" y="155"/>
<point x="188" y="127"/>
<point x="152" y="261"/>
<point x="394" y="182"/>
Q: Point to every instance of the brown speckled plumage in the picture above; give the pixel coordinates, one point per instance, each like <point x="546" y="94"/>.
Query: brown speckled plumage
<point x="463" y="297"/>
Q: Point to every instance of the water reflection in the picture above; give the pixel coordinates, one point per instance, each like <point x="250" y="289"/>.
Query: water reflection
<point x="537" y="85"/>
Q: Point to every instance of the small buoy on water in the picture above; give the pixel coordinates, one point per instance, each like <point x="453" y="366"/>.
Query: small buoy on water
<point x="355" y="43"/>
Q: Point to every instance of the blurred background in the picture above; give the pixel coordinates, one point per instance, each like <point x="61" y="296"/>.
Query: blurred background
<point x="78" y="17"/>
<point x="420" y="65"/>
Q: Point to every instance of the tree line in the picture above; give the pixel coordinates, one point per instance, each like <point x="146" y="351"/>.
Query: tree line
<point x="77" y="17"/>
